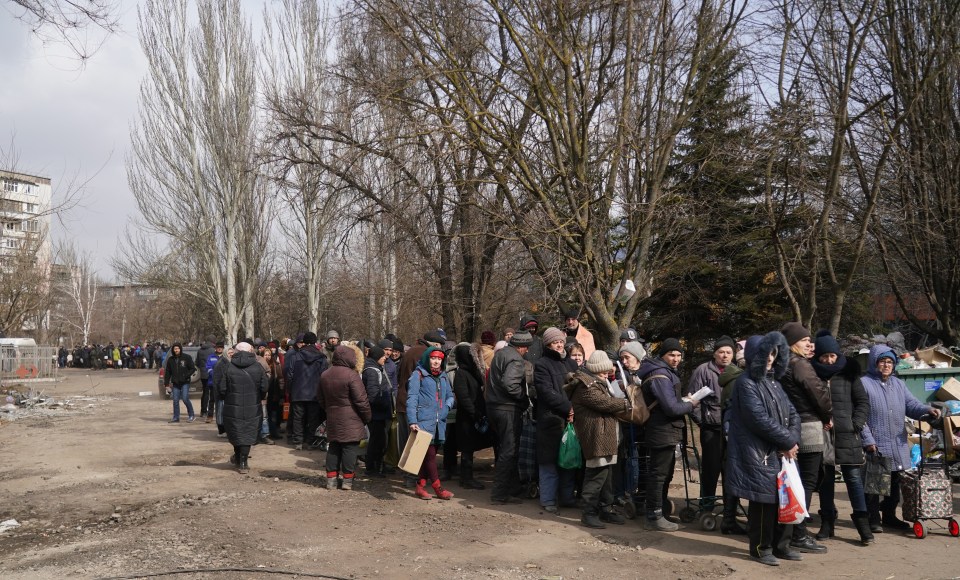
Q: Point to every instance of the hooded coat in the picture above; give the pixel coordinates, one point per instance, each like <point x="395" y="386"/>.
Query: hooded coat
<point x="552" y="408"/>
<point x="178" y="368"/>
<point x="889" y="402"/>
<point x="661" y="383"/>
<point x="429" y="398"/>
<point x="379" y="390"/>
<point x="468" y="392"/>
<point x="851" y="407"/>
<point x="243" y="386"/>
<point x="760" y="422"/>
<point x="342" y="395"/>
<point x="206" y="349"/>
<point x="303" y="370"/>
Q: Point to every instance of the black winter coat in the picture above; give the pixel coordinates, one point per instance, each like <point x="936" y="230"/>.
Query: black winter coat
<point x="553" y="406"/>
<point x="377" y="384"/>
<point x="178" y="369"/>
<point x="468" y="391"/>
<point x="851" y="407"/>
<point x="303" y="370"/>
<point x="665" y="426"/>
<point x="760" y="423"/>
<point x="243" y="386"/>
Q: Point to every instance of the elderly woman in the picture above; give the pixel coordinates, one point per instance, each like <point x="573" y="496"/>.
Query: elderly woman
<point x="343" y="398"/>
<point x="594" y="418"/>
<point x="762" y="426"/>
<point x="884" y="432"/>
<point x="243" y="386"/>
<point x="553" y="412"/>
<point x="429" y="400"/>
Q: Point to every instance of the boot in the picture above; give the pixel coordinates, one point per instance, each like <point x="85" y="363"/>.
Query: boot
<point x="660" y="524"/>
<point x="441" y="493"/>
<point x="874" y="521"/>
<point x="827" y="521"/>
<point x="804" y="543"/>
<point x="890" y="520"/>
<point x="332" y="480"/>
<point x="611" y="517"/>
<point x="242" y="467"/>
<point x="591" y="519"/>
<point x="730" y="526"/>
<point x="420" y="491"/>
<point x="347" y="482"/>
<point x="861" y="520"/>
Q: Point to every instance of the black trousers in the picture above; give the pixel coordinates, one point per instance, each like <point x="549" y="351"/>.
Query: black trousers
<point x="597" y="489"/>
<point x="450" y="446"/>
<point x="808" y="464"/>
<point x="662" y="461"/>
<point x="505" y="422"/>
<point x="342" y="457"/>
<point x="304" y="420"/>
<point x="765" y="534"/>
<point x="207" y="400"/>
<point x="888" y="505"/>
<point x="376" y="445"/>
<point x="712" y="448"/>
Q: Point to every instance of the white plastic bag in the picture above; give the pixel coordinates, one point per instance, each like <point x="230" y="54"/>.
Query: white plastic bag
<point x="793" y="503"/>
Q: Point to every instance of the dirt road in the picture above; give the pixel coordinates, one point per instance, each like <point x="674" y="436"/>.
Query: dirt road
<point x="109" y="489"/>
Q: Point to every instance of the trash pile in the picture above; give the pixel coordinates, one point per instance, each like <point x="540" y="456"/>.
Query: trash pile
<point x="937" y="356"/>
<point x="17" y="405"/>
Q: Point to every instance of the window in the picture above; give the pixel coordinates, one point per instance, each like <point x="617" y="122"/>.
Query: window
<point x="11" y="243"/>
<point x="9" y="185"/>
<point x="10" y="226"/>
<point x="30" y="207"/>
<point x="31" y="226"/>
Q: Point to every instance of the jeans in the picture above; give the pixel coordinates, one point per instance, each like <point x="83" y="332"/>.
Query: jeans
<point x="219" y="408"/>
<point x="628" y="464"/>
<point x="178" y="392"/>
<point x="662" y="460"/>
<point x="764" y="533"/>
<point x="555" y="481"/>
<point x="505" y="422"/>
<point x="597" y="493"/>
<point x="853" y="478"/>
<point x="808" y="464"/>
<point x="264" y="424"/>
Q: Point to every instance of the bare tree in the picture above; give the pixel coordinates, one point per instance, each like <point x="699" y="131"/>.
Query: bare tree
<point x="24" y="284"/>
<point x="69" y="22"/>
<point x="78" y="289"/>
<point x="193" y="170"/>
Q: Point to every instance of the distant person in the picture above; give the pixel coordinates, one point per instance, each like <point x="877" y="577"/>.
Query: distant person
<point x="576" y="331"/>
<point x="243" y="387"/>
<point x="176" y="375"/>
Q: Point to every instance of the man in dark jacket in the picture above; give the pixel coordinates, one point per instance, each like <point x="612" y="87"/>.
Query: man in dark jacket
<point x="662" y="432"/>
<point x="531" y="325"/>
<point x="206" y="399"/>
<point x="379" y="394"/>
<point x="303" y="370"/>
<point x="176" y="375"/>
<point x="708" y="418"/>
<point x="506" y="398"/>
<point x="243" y="386"/>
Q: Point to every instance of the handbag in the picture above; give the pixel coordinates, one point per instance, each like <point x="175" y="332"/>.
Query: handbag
<point x="876" y="474"/>
<point x="570" y="455"/>
<point x="790" y="492"/>
<point x="392" y="455"/>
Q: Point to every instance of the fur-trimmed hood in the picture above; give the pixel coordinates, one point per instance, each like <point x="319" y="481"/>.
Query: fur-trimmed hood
<point x="757" y="351"/>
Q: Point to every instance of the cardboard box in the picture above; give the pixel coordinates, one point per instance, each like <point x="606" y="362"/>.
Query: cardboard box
<point x="416" y="449"/>
<point x="926" y="443"/>
<point x="935" y="354"/>
<point x="950" y="424"/>
<point x="949" y="390"/>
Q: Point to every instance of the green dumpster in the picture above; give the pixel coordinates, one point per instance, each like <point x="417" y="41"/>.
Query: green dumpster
<point x="923" y="383"/>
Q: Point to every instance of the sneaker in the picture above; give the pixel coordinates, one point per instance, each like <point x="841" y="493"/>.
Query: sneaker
<point x="208" y="420"/>
<point x="550" y="509"/>
<point x="768" y="559"/>
<point x="191" y="419"/>
<point x="808" y="545"/>
<point x="222" y="435"/>
<point x="660" y="525"/>
<point x="298" y="447"/>
<point x="791" y="555"/>
<point x="173" y="421"/>
<point x="592" y="520"/>
<point x="267" y="441"/>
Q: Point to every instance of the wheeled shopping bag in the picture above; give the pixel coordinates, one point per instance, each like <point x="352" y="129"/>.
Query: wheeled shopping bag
<point x="927" y="494"/>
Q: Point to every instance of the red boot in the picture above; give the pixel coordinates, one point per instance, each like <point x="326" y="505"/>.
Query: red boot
<point x="420" y="492"/>
<point x="441" y="493"/>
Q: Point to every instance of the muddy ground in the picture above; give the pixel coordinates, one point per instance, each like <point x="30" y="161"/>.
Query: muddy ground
<point x="107" y="488"/>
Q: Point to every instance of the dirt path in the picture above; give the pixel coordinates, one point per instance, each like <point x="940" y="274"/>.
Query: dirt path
<point x="111" y="489"/>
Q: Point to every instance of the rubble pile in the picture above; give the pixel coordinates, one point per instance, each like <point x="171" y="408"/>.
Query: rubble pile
<point x="17" y="405"/>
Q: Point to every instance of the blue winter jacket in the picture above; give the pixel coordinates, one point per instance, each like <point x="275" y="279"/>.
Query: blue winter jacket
<point x="429" y="398"/>
<point x="890" y="401"/>
<point x="761" y="422"/>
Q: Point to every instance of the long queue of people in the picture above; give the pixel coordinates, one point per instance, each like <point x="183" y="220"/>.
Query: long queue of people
<point x="784" y="394"/>
<point x="110" y="356"/>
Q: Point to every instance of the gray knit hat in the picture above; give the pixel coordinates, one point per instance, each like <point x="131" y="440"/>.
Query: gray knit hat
<point x="522" y="338"/>
<point x="553" y="334"/>
<point x="599" y="363"/>
<point x="634" y="348"/>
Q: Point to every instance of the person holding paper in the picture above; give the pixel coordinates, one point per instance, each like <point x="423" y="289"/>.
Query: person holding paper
<point x="762" y="426"/>
<point x="662" y="432"/>
<point x="712" y="442"/>
<point x="429" y="400"/>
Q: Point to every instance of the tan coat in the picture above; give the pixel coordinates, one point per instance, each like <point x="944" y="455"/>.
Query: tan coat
<point x="593" y="415"/>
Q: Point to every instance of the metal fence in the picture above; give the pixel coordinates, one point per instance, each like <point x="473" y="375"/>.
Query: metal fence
<point x="24" y="364"/>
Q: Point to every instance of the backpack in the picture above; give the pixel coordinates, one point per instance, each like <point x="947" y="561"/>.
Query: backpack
<point x="639" y="411"/>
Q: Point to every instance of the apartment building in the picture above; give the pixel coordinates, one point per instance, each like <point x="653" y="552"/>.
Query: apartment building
<point x="24" y="212"/>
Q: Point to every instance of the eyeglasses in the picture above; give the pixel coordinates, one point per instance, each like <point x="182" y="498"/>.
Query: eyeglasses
<point x="885" y="361"/>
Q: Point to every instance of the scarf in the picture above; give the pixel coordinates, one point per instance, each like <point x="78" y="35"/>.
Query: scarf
<point x="825" y="371"/>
